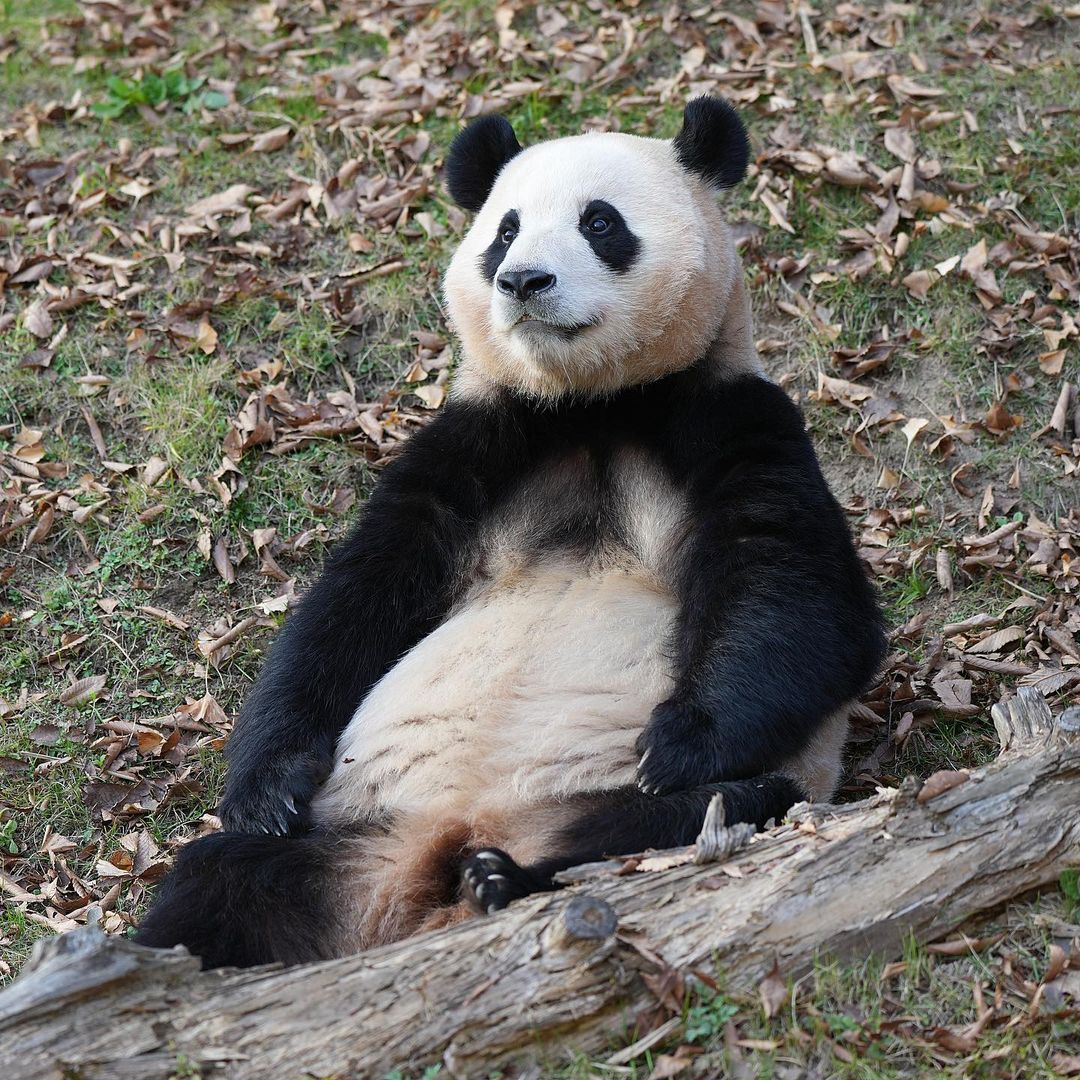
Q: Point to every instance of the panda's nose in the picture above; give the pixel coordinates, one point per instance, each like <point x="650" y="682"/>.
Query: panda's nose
<point x="524" y="283"/>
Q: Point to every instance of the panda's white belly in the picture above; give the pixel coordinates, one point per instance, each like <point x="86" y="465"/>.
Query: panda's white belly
<point x="535" y="689"/>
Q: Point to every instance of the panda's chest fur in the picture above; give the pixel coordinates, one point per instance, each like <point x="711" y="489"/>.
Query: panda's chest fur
<point x="539" y="680"/>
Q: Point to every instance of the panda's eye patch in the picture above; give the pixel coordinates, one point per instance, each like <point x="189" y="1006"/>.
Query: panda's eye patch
<point x="609" y="236"/>
<point x="505" y="235"/>
<point x="508" y="228"/>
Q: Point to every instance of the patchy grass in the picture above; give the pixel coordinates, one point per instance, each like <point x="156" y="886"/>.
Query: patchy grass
<point x="142" y="344"/>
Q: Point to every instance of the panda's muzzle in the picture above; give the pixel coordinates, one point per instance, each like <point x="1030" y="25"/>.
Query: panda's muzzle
<point x="524" y="284"/>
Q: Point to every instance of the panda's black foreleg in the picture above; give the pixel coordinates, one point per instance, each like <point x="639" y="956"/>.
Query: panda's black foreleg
<point x="623" y="822"/>
<point x="385" y="586"/>
<point x="778" y="626"/>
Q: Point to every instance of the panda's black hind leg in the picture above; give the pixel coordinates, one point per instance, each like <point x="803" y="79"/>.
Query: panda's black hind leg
<point x="238" y="900"/>
<point x="623" y="821"/>
<point x="490" y="880"/>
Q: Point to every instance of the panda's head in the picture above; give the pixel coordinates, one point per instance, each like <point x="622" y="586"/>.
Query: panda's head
<point x="597" y="261"/>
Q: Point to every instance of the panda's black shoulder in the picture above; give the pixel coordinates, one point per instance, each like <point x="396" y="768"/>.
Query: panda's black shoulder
<point x="470" y="445"/>
<point x="737" y="415"/>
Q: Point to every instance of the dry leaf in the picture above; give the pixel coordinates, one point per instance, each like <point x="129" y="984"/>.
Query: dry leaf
<point x="913" y="428"/>
<point x="999" y="421"/>
<point x="666" y="1065"/>
<point x="773" y="990"/>
<point x="940" y="782"/>
<point x="918" y="283"/>
<point x="206" y="336"/>
<point x="431" y="395"/>
<point x="900" y="144"/>
<point x="998" y="640"/>
<point x="83" y="691"/>
<point x="230" y="201"/>
<point x="222" y="562"/>
<point x="271" y="140"/>
<point x="37" y="319"/>
<point x="1051" y="363"/>
<point x="844" y="169"/>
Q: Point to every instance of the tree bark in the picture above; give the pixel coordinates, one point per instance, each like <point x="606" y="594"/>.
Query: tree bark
<point x="571" y="968"/>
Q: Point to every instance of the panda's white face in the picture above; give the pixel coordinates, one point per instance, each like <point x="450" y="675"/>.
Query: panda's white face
<point x="596" y="262"/>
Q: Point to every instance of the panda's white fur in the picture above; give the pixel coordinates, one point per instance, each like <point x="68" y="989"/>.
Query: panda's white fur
<point x="533" y="687"/>
<point x="666" y="311"/>
<point x="525" y="672"/>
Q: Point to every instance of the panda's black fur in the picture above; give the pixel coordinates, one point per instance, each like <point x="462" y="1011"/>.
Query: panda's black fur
<point x="777" y="629"/>
<point x="476" y="157"/>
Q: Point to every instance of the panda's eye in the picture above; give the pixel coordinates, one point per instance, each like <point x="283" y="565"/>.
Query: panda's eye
<point x="598" y="225"/>
<point x="507" y="235"/>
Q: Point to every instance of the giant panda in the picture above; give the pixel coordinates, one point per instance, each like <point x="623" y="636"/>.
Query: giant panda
<point x="606" y="583"/>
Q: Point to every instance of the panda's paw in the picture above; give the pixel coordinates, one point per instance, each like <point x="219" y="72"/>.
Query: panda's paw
<point x="274" y="798"/>
<point x="491" y="880"/>
<point x="678" y="750"/>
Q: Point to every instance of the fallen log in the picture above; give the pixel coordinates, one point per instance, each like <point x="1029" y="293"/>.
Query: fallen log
<point x="567" y="969"/>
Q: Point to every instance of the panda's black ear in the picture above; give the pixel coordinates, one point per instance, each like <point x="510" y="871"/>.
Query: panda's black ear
<point x="476" y="156"/>
<point x="713" y="142"/>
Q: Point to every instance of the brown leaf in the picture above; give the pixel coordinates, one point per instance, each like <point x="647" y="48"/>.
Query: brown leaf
<point x="914" y="428"/>
<point x="903" y="87"/>
<point x="974" y="259"/>
<point x="206" y="336"/>
<point x="83" y="691"/>
<point x="44" y="524"/>
<point x="940" y="782"/>
<point x="1059" y="416"/>
<point x="664" y="862"/>
<point x="232" y="200"/>
<point x="431" y="395"/>
<point x="1052" y="362"/>
<point x="1059" y="960"/>
<point x="45" y="735"/>
<point x="964" y="945"/>
<point x="999" y="421"/>
<point x="271" y="140"/>
<point x="844" y="169"/>
<point x="37" y="319"/>
<point x="773" y="990"/>
<point x="666" y="1065"/>
<point x="840" y="391"/>
<point x="900" y="144"/>
<point x="1065" y="1064"/>
<point x="206" y="709"/>
<point x="776" y="211"/>
<point x="998" y="640"/>
<point x="948" y="1039"/>
<point x="918" y="283"/>
<point x="164" y="616"/>
<point x="222" y="562"/>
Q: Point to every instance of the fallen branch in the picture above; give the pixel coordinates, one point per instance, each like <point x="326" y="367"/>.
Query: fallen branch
<point x="845" y="880"/>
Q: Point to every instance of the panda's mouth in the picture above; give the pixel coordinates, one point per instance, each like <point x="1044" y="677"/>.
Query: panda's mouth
<point x="529" y="325"/>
